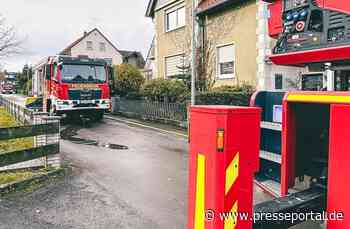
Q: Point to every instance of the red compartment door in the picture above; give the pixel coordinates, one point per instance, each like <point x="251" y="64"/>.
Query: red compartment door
<point x="339" y="166"/>
<point x="275" y="18"/>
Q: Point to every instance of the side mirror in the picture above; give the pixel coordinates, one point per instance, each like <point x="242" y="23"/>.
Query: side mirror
<point x="48" y="72"/>
<point x="111" y="73"/>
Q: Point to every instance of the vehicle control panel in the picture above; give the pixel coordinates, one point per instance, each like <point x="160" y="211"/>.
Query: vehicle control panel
<point x="308" y="26"/>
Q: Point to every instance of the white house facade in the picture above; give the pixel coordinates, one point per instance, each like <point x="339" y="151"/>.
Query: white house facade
<point x="95" y="45"/>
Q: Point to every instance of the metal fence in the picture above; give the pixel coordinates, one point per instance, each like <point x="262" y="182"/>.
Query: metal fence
<point x="166" y="112"/>
<point x="20" y="113"/>
<point x="44" y="129"/>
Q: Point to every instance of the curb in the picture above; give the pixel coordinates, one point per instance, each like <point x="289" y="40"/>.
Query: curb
<point x="37" y="180"/>
<point x="146" y="126"/>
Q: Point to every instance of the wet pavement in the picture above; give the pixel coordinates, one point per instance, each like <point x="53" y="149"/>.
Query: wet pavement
<point x="144" y="186"/>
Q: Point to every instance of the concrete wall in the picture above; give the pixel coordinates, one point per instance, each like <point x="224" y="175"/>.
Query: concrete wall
<point x="235" y="26"/>
<point x="173" y="42"/>
<point x="96" y="38"/>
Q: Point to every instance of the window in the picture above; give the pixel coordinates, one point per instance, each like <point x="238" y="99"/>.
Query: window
<point x="102" y="47"/>
<point x="89" y="45"/>
<point x="278" y="81"/>
<point x="312" y="82"/>
<point x="316" y="21"/>
<point x="55" y="73"/>
<point x="174" y="65"/>
<point x="83" y="74"/>
<point x="175" y="19"/>
<point x="226" y="62"/>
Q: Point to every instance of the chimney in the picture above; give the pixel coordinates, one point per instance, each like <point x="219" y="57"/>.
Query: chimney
<point x="85" y="33"/>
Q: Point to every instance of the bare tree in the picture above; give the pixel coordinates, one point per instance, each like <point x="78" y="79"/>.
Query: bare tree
<point x="295" y="83"/>
<point x="9" y="42"/>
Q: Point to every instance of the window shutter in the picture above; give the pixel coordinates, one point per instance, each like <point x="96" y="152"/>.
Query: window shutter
<point x="226" y="54"/>
<point x="172" y="65"/>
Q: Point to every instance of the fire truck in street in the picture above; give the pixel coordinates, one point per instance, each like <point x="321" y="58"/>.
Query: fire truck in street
<point x="73" y="86"/>
<point x="8" y="84"/>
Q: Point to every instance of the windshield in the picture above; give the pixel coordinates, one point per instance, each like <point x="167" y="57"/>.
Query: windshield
<point x="83" y="74"/>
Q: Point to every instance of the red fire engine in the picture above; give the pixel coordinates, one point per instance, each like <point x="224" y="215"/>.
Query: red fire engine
<point x="73" y="86"/>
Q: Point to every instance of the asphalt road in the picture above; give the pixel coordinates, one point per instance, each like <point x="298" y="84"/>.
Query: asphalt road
<point x="144" y="186"/>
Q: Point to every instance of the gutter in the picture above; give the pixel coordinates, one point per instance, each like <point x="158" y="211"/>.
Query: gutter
<point x="218" y="7"/>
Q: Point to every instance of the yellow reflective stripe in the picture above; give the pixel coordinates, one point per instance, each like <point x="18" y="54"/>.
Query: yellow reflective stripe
<point x="231" y="220"/>
<point x="318" y="98"/>
<point x="232" y="173"/>
<point x="200" y="194"/>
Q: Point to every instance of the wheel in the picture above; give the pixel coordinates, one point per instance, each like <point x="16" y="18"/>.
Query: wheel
<point x="52" y="111"/>
<point x="97" y="116"/>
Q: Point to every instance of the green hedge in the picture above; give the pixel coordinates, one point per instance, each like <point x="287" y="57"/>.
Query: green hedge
<point x="163" y="90"/>
<point x="224" y="98"/>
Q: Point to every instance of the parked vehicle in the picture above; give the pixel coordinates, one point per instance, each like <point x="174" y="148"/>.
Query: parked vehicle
<point x="7" y="87"/>
<point x="73" y="86"/>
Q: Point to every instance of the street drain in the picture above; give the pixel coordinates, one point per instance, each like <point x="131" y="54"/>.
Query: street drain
<point x="82" y="141"/>
<point x="115" y="146"/>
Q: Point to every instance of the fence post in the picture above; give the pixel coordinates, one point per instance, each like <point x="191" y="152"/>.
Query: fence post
<point x="53" y="161"/>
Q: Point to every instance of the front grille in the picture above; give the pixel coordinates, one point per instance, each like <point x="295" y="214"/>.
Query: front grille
<point x="84" y="94"/>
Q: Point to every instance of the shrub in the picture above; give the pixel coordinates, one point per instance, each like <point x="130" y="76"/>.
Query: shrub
<point x="245" y="88"/>
<point x="227" y="95"/>
<point x="223" y="98"/>
<point x="163" y="90"/>
<point x="128" y="79"/>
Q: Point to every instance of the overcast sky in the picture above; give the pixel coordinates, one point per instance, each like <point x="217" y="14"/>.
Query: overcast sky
<point x="48" y="26"/>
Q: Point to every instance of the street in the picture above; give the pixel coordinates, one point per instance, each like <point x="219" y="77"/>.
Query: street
<point x="144" y="186"/>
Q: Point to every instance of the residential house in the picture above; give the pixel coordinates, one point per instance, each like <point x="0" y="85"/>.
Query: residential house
<point x="149" y="70"/>
<point x="172" y="42"/>
<point x="134" y="58"/>
<point x="234" y="39"/>
<point x="228" y="32"/>
<point x="96" y="45"/>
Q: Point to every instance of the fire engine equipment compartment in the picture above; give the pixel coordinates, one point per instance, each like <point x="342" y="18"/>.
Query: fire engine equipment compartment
<point x="315" y="144"/>
<point x="311" y="140"/>
<point x="305" y="140"/>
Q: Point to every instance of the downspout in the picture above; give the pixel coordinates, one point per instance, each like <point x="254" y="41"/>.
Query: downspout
<point x="193" y="59"/>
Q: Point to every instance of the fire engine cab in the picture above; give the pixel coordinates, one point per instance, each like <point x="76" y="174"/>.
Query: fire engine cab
<point x="73" y="86"/>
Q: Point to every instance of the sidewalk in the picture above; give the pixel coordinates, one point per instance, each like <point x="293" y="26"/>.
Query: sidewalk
<point x="149" y="124"/>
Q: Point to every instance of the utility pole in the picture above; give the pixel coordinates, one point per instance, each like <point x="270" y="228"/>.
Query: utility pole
<point x="193" y="58"/>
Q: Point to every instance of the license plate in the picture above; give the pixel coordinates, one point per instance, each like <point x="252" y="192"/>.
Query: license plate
<point x="85" y="101"/>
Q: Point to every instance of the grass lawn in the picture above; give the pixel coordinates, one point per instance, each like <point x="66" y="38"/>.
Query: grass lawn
<point x="6" y="120"/>
<point x="9" y="177"/>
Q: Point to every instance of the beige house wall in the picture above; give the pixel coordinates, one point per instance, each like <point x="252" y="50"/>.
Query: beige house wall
<point x="174" y="42"/>
<point x="235" y="26"/>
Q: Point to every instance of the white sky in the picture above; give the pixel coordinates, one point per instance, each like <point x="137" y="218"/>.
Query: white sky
<point x="48" y="26"/>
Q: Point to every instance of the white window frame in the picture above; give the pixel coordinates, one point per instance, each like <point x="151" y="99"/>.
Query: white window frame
<point x="176" y="10"/>
<point x="225" y="76"/>
<point x="102" y="47"/>
<point x="165" y="64"/>
<point x="88" y="47"/>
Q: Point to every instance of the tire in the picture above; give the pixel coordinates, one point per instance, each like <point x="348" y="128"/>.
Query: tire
<point x="97" y="116"/>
